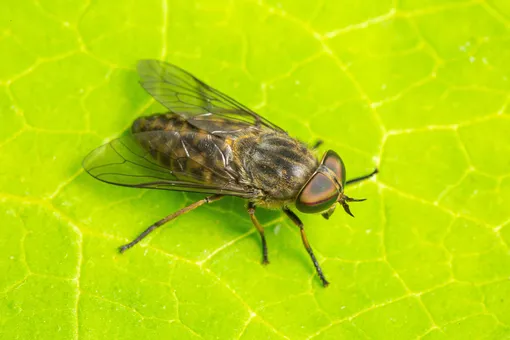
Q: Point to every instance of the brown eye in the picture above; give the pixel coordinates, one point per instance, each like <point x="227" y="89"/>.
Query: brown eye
<point x="335" y="164"/>
<point x="317" y="195"/>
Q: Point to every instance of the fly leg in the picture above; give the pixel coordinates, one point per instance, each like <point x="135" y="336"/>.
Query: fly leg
<point x="170" y="217"/>
<point x="298" y="222"/>
<point x="318" y="143"/>
<point x="362" y="178"/>
<point x="256" y="223"/>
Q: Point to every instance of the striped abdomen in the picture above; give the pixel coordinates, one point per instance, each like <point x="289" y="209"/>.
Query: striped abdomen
<point x="189" y="153"/>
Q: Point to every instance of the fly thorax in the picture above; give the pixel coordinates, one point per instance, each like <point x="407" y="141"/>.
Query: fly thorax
<point x="280" y="165"/>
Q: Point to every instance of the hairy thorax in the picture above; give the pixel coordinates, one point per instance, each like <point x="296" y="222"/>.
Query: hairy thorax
<point x="276" y="164"/>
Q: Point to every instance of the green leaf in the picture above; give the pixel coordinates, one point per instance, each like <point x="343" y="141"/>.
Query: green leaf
<point x="416" y="88"/>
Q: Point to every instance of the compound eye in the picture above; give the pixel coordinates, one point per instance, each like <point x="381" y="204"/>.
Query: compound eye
<point x="332" y="161"/>
<point x="318" y="195"/>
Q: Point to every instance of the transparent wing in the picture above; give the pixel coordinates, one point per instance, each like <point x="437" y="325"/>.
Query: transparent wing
<point x="183" y="94"/>
<point x="166" y="160"/>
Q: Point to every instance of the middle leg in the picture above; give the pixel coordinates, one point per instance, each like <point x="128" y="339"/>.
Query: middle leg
<point x="256" y="223"/>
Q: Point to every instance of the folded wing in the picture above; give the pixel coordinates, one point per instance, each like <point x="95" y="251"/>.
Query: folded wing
<point x="199" y="103"/>
<point x="168" y="160"/>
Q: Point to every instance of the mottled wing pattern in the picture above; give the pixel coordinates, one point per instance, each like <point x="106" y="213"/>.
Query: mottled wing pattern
<point x="200" y="104"/>
<point x="169" y="160"/>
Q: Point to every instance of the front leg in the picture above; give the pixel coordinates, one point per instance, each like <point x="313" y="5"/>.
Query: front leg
<point x="362" y="178"/>
<point x="317" y="143"/>
<point x="308" y="248"/>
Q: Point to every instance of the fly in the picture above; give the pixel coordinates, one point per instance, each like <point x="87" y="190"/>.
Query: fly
<point x="209" y="143"/>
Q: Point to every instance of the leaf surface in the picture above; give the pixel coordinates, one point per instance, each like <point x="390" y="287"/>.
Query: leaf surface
<point x="416" y="88"/>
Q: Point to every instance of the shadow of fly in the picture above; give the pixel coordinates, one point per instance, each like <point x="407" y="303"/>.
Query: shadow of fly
<point x="209" y="143"/>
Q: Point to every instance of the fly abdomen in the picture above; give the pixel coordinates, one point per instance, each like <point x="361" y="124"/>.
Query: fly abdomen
<point x="160" y="122"/>
<point x="187" y="151"/>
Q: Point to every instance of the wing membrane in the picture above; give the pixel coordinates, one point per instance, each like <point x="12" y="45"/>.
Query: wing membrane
<point x="183" y="94"/>
<point x="163" y="160"/>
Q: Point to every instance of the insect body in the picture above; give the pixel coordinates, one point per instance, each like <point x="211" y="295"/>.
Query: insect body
<point x="211" y="144"/>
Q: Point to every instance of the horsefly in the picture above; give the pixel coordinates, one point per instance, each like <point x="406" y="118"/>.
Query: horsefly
<point x="209" y="143"/>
